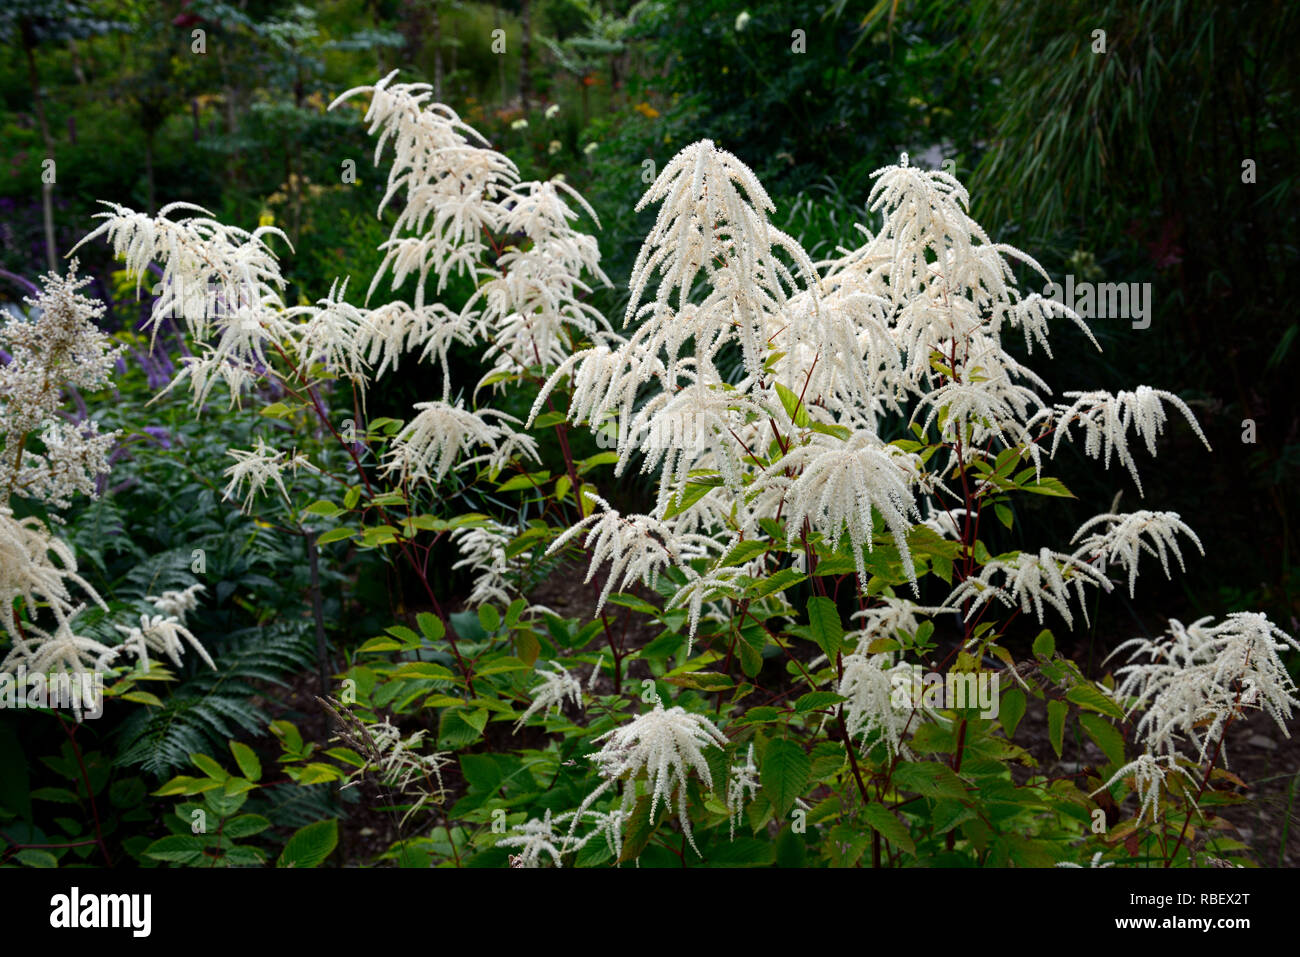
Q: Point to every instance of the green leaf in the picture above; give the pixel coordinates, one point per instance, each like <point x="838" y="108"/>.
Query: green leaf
<point x="640" y="827"/>
<point x="310" y="845"/>
<point x="431" y="626"/>
<point x="1004" y="514"/>
<point x="65" y="796"/>
<point x="489" y="618"/>
<point x="548" y="420"/>
<point x="742" y="852"/>
<point x="633" y="602"/>
<point x="707" y="681"/>
<point x="600" y="458"/>
<point x="815" y="700"/>
<point x="15" y="793"/>
<point x="1056" y="711"/>
<point x="824" y="625"/>
<point x="890" y="827"/>
<point x="249" y="765"/>
<point x="177" y="849"/>
<point x="743" y="552"/>
<point x="1086" y="696"/>
<point x="377" y="535"/>
<point x="785" y="578"/>
<point x="35" y="857"/>
<point x="143" y="697"/>
<point x="423" y="669"/>
<point x="289" y="735"/>
<point x="1011" y="711"/>
<point x="928" y="778"/>
<point x="1044" y="644"/>
<point x="784" y="774"/>
<point x="335" y="535"/>
<point x="347" y="756"/>
<point x="839" y="431"/>
<point x="317" y="773"/>
<point x="793" y="406"/>
<point x="948" y="814"/>
<point x="527" y="645"/>
<point x="245" y="825"/>
<point x="209" y="767"/>
<point x="376" y="645"/>
<point x="1049" y="486"/>
<point x="693" y="492"/>
<point x="1106" y="735"/>
<point x="526" y="480"/>
<point x="759" y="715"/>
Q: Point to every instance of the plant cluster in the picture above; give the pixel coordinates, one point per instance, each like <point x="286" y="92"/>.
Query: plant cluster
<point x="834" y="447"/>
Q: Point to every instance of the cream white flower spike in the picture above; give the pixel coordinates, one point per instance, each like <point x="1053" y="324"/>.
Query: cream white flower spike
<point x="667" y="745"/>
<point x="1123" y="538"/>
<point x="550" y="693"/>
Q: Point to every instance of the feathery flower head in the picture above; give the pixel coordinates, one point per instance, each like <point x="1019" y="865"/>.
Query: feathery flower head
<point x="666" y="745"/>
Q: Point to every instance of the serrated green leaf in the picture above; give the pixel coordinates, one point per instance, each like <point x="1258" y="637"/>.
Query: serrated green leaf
<point x="1056" y="711"/>
<point x="1011" y="711"/>
<point x="310" y="845"/>
<point x="1086" y="696"/>
<point x="890" y="827"/>
<point x="784" y="774"/>
<point x="249" y="764"/>
<point x="1105" y="735"/>
<point x="816" y="700"/>
<point x="825" y="626"/>
<point x="431" y="626"/>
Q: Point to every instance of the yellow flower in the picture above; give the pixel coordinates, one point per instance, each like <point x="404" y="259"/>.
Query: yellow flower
<point x="646" y="110"/>
<point x="266" y="219"/>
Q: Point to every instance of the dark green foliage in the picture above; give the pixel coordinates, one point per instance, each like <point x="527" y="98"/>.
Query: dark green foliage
<point x="210" y="708"/>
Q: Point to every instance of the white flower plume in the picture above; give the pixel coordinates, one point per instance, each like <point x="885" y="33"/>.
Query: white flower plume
<point x="666" y="745"/>
<point x="535" y="837"/>
<point x="742" y="785"/>
<point x="37" y="568"/>
<point x="1030" y="581"/>
<point x="177" y="604"/>
<point x="1191" y="683"/>
<point x="637" y="547"/>
<point x="161" y="634"/>
<point x="869" y="684"/>
<point x="839" y="483"/>
<point x="427" y="446"/>
<point x="1123" y="538"/>
<point x="258" y="467"/>
<point x="1149" y="773"/>
<point x="1106" y="420"/>
<point x="550" y="693"/>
